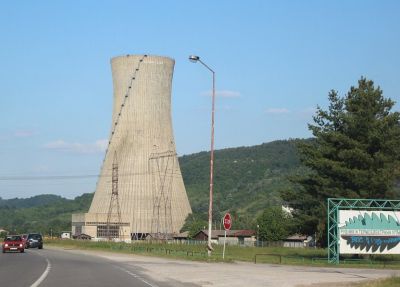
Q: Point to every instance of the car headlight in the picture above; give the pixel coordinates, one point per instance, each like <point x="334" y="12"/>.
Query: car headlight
<point x="20" y="245"/>
<point x="6" y="245"/>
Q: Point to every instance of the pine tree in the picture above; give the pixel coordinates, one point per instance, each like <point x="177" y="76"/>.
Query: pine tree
<point x="355" y="154"/>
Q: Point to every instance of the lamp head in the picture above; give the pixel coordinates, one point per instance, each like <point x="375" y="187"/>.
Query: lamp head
<point x="193" y="58"/>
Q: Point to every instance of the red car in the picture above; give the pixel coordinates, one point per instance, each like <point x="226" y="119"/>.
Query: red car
<point x="13" y="243"/>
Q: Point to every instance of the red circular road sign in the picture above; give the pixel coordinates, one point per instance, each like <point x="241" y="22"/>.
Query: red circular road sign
<point x="227" y="221"/>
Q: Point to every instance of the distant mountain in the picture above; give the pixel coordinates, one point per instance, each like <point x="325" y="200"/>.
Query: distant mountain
<point x="53" y="212"/>
<point x="38" y="200"/>
<point x="246" y="181"/>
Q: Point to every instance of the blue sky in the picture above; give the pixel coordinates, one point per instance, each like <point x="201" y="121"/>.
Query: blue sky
<point x="275" y="61"/>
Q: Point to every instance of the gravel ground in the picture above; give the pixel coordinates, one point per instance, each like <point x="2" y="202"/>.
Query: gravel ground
<point x="192" y="273"/>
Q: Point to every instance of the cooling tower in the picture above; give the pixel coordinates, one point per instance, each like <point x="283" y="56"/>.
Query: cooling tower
<point x="140" y="189"/>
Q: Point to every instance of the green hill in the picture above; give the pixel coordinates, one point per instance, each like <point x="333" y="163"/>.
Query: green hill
<point x="246" y="181"/>
<point x="39" y="200"/>
<point x="50" y="213"/>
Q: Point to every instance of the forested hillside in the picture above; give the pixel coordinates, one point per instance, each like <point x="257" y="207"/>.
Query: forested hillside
<point x="247" y="180"/>
<point x="40" y="200"/>
<point x="46" y="212"/>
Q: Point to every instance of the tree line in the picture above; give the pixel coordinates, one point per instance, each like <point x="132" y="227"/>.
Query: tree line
<point x="355" y="153"/>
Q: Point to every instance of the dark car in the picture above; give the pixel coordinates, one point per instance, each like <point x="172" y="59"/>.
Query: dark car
<point x="34" y="240"/>
<point x="24" y="238"/>
<point x="13" y="243"/>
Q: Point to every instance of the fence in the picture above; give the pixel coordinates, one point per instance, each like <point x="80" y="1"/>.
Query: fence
<point x="239" y="243"/>
<point x="290" y="259"/>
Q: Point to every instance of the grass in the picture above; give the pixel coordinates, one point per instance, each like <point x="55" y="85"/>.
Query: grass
<point x="388" y="282"/>
<point x="198" y="251"/>
<point x="272" y="255"/>
<point x="193" y="252"/>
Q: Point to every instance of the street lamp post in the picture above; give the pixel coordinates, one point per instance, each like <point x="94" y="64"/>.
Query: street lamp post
<point x="258" y="231"/>
<point x="196" y="59"/>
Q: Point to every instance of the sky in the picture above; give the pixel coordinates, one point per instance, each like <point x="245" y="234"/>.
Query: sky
<point x="275" y="62"/>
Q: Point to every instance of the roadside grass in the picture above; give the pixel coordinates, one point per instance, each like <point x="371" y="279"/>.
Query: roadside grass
<point x="196" y="251"/>
<point x="178" y="251"/>
<point x="388" y="282"/>
<point x="271" y="255"/>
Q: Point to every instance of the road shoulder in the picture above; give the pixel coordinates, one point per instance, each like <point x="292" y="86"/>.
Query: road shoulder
<point x="193" y="273"/>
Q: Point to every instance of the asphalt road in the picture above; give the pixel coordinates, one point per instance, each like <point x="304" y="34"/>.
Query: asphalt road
<point x="20" y="269"/>
<point x="49" y="268"/>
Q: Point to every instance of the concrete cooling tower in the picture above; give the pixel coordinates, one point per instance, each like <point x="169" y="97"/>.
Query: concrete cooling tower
<point x="140" y="190"/>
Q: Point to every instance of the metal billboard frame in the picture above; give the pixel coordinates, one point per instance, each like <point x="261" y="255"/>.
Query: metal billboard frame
<point x="336" y="204"/>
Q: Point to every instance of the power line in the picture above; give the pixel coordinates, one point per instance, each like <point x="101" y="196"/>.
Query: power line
<point x="46" y="177"/>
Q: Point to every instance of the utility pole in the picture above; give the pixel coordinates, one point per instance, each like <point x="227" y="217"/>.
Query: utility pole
<point x="114" y="203"/>
<point x="161" y="165"/>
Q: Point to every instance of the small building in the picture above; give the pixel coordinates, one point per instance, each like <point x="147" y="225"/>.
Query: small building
<point x="65" y="235"/>
<point x="297" y="241"/>
<point x="159" y="236"/>
<point x="233" y="237"/>
<point x="181" y="236"/>
<point x="244" y="237"/>
<point x="202" y="235"/>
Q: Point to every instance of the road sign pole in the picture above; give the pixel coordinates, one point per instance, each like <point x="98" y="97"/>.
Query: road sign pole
<point x="227" y="226"/>
<point x="223" y="252"/>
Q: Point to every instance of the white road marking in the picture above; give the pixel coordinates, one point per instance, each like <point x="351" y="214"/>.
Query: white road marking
<point x="43" y="276"/>
<point x="135" y="275"/>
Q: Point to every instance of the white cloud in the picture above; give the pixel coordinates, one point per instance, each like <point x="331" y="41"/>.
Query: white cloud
<point x="98" y="146"/>
<point x="23" y="133"/>
<point x="11" y="135"/>
<point x="277" y="111"/>
<point x="223" y="94"/>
